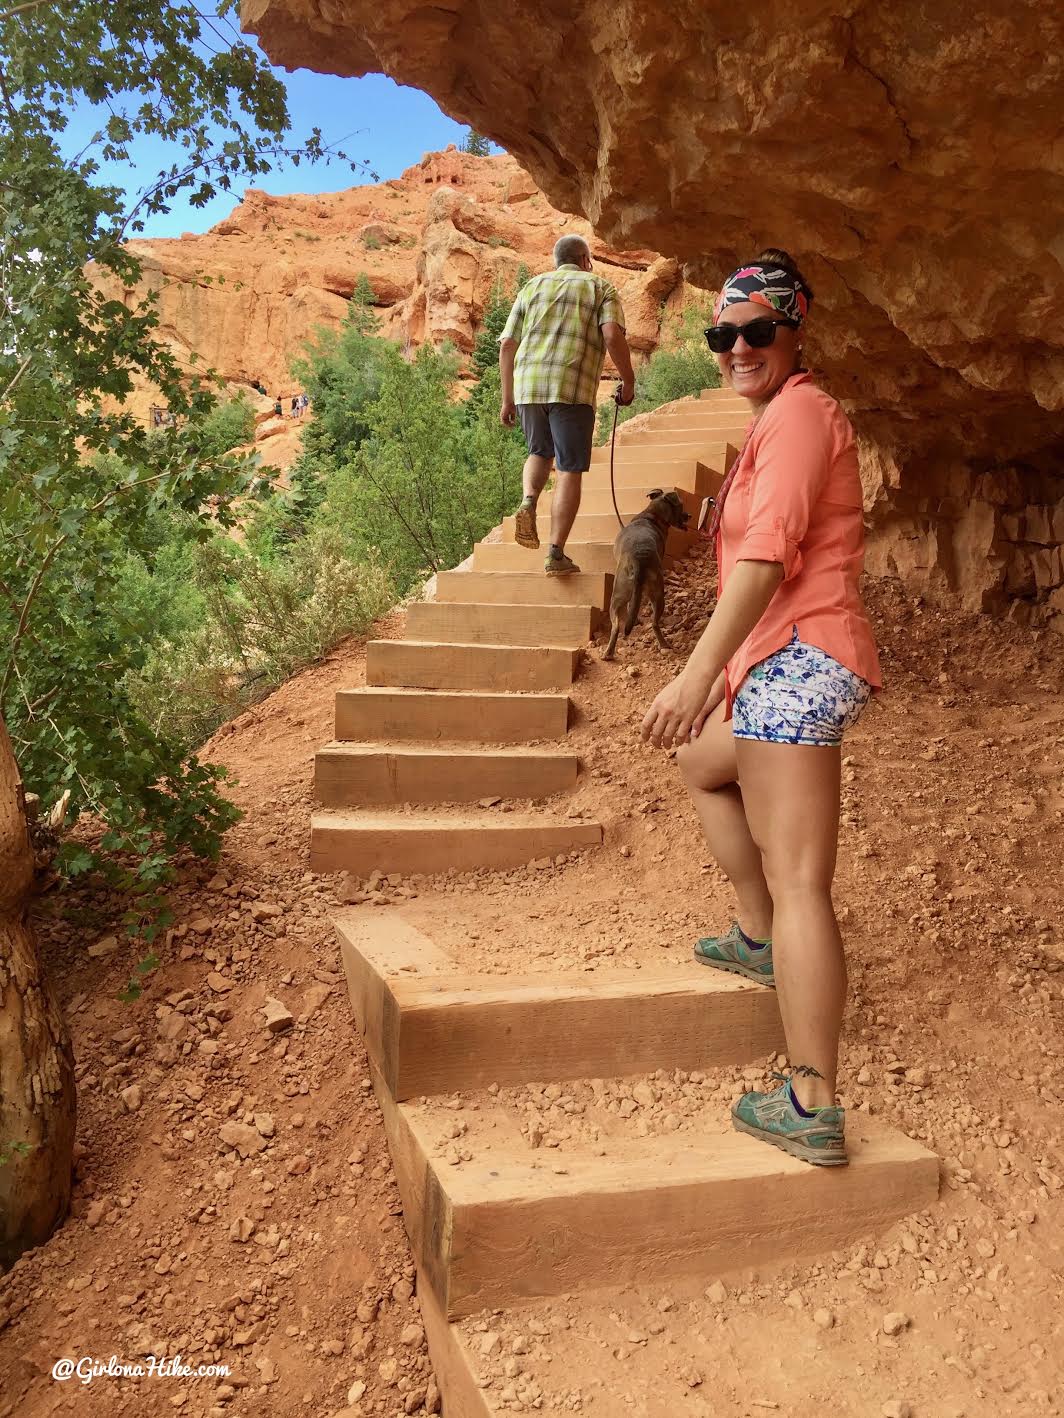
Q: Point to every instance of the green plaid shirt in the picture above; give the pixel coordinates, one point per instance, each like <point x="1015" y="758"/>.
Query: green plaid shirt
<point x="557" y="319"/>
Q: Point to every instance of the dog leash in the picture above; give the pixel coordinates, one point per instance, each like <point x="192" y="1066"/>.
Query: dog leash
<point x="613" y="444"/>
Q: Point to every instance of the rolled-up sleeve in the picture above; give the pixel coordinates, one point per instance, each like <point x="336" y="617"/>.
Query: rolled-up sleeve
<point x="611" y="311"/>
<point x="791" y="464"/>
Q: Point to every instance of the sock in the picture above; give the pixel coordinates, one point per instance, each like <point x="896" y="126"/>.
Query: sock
<point x="802" y="1112"/>
<point x="529" y="500"/>
<point x="754" y="942"/>
<point x="556" y="551"/>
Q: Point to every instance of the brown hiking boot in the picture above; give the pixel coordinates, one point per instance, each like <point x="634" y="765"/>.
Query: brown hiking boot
<point x="560" y="566"/>
<point x="525" y="534"/>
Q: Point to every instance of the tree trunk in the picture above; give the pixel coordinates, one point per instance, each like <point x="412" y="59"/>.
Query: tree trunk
<point x="38" y="1109"/>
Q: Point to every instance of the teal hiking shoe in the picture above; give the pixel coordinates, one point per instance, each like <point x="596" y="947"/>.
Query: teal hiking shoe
<point x="731" y="952"/>
<point x="773" y="1117"/>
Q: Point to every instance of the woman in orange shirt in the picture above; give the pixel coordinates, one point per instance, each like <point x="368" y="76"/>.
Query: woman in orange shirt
<point x="783" y="669"/>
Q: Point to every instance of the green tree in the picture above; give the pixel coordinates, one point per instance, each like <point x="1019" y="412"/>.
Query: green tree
<point x="341" y="369"/>
<point x="399" y="491"/>
<point x="82" y="481"/>
<point x="476" y="145"/>
<point x="413" y="492"/>
<point x="497" y="453"/>
<point x="486" y="345"/>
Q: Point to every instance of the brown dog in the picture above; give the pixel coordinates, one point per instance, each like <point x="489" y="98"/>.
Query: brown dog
<point x="639" y="548"/>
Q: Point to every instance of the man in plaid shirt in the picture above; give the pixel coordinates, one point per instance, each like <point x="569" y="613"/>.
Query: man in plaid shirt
<point x="551" y="355"/>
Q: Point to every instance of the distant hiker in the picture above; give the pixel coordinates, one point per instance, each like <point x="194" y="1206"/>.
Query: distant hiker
<point x="278" y="407"/>
<point x="551" y="355"/>
<point x="295" y="406"/>
<point x="784" y="668"/>
<point x="304" y="404"/>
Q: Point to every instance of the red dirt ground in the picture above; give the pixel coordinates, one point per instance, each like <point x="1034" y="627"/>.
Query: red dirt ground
<point x="290" y="1264"/>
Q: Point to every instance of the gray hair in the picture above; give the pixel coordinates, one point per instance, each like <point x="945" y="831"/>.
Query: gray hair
<point x="568" y="250"/>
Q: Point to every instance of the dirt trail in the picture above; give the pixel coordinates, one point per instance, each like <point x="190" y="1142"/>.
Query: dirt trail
<point x="234" y="1199"/>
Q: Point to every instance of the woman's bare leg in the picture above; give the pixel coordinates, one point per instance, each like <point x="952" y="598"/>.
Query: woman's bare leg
<point x="791" y="793"/>
<point x="709" y="769"/>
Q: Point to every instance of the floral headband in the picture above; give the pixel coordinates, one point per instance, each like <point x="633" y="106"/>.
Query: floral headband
<point x="771" y="286"/>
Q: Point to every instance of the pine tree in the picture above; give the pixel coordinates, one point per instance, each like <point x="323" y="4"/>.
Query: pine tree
<point x="360" y="311"/>
<point x="476" y="145"/>
<point x="486" y="346"/>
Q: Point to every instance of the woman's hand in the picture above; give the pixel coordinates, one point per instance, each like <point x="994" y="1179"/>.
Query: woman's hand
<point x="715" y="697"/>
<point x="679" y="705"/>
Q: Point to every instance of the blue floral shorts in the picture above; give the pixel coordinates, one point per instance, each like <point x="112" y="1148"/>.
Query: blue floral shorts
<point x="799" y="695"/>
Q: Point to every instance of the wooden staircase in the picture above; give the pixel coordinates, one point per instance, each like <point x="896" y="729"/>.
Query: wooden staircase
<point x="472" y="705"/>
<point x="509" y="1228"/>
<point x="486" y="666"/>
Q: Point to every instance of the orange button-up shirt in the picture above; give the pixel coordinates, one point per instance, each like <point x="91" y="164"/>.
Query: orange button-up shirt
<point x="796" y="499"/>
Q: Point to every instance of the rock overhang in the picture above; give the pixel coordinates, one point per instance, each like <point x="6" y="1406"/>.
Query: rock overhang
<point x="911" y="157"/>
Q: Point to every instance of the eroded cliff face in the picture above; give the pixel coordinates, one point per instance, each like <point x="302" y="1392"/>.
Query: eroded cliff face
<point x="911" y="156"/>
<point x="246" y="295"/>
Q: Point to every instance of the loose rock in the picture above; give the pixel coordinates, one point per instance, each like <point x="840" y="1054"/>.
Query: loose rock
<point x="278" y="1016"/>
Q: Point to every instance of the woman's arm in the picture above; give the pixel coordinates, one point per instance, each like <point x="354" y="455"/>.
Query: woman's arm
<point x="680" y="707"/>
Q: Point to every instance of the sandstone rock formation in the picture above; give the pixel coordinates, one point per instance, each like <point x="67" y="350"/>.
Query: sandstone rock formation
<point x="911" y="156"/>
<point x="246" y="295"/>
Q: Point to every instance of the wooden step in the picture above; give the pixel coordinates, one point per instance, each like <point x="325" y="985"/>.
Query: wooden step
<point x="449" y="1031"/>
<point x="434" y="665"/>
<point x="712" y="452"/>
<point x="424" y="842"/>
<point x="525" y="588"/>
<point x="701" y="414"/>
<point x="402" y="714"/>
<point x="602" y="528"/>
<point x="693" y="428"/>
<point x="663" y="440"/>
<point x="723" y="395"/>
<point x="630" y="500"/>
<point x="508" y="556"/>
<point x="734" y="406"/>
<point x="596" y="527"/>
<point x="364" y="775"/>
<point x="695" y="478"/>
<point x="567" y="626"/>
<point x="509" y="1226"/>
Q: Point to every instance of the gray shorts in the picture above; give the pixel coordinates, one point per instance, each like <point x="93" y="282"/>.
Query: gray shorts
<point x="563" y="432"/>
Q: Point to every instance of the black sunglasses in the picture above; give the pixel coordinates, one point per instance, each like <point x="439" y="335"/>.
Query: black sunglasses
<point x="758" y="334"/>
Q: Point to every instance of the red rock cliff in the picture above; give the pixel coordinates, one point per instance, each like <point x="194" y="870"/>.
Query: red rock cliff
<point x="246" y="295"/>
<point x="911" y="156"/>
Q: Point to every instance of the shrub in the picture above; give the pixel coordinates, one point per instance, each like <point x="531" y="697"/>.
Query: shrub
<point x="263" y="620"/>
<point x="227" y="426"/>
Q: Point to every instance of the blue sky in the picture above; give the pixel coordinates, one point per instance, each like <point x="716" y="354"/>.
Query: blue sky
<point x="373" y="119"/>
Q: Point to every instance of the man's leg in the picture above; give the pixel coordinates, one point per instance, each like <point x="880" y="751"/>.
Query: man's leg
<point x="534" y="476"/>
<point x="573" y="431"/>
<point x="535" y="425"/>
<point x="564" y="505"/>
